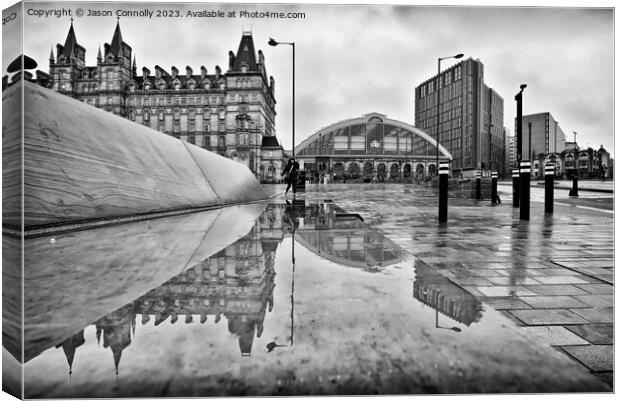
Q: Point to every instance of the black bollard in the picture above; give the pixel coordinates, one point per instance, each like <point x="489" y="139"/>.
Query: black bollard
<point x="515" y="187"/>
<point x="494" y="197"/>
<point x="478" y="184"/>
<point x="524" y="190"/>
<point x="549" y="182"/>
<point x="444" y="169"/>
<point x="575" y="191"/>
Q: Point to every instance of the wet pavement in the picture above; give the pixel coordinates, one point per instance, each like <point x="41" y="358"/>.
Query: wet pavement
<point x="303" y="297"/>
<point x="553" y="276"/>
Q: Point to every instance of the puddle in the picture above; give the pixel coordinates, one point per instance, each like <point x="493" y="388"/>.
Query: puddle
<point x="296" y="298"/>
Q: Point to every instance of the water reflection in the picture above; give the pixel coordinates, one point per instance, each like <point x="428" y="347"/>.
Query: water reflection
<point x="237" y="282"/>
<point x="433" y="289"/>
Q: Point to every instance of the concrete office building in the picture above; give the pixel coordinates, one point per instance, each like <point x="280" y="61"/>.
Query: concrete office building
<point x="547" y="136"/>
<point x="471" y="117"/>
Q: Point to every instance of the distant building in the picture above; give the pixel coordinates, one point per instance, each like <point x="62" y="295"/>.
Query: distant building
<point x="471" y="117"/>
<point x="227" y="112"/>
<point x="547" y="136"/>
<point x="548" y="141"/>
<point x="370" y="148"/>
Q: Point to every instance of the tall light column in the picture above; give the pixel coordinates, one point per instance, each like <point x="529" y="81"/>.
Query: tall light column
<point x="438" y="89"/>
<point x="273" y="42"/>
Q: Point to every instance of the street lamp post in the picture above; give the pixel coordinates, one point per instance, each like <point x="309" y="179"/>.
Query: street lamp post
<point x="272" y="42"/>
<point x="524" y="165"/>
<point x="438" y="89"/>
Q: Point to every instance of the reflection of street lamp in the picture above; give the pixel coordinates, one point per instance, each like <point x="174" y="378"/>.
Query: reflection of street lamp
<point x="437" y="326"/>
<point x="438" y="89"/>
<point x="272" y="345"/>
<point x="272" y="42"/>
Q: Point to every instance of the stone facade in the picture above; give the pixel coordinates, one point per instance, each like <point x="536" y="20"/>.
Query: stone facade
<point x="226" y="112"/>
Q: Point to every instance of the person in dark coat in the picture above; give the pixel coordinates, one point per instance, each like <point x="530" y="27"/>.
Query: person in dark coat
<point x="290" y="175"/>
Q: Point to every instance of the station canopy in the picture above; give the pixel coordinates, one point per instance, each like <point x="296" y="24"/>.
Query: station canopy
<point x="371" y="135"/>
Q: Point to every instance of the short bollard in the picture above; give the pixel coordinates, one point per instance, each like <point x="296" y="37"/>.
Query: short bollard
<point x="494" y="198"/>
<point x="549" y="182"/>
<point x="443" y="192"/>
<point x="575" y="191"/>
<point x="478" y="184"/>
<point x="515" y="187"/>
<point x="524" y="190"/>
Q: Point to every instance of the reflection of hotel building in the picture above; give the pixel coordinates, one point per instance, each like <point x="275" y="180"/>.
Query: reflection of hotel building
<point x="237" y="282"/>
<point x="229" y="112"/>
<point x="468" y="109"/>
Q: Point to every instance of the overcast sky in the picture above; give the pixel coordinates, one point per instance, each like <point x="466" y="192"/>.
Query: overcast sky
<point x="352" y="60"/>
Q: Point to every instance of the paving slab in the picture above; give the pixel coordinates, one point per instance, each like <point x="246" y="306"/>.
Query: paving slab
<point x="555" y="335"/>
<point x="599" y="334"/>
<point x="598" y="358"/>
<point x="596" y="300"/>
<point x="550" y="302"/>
<point x="507" y="303"/>
<point x="548" y="317"/>
<point x="596" y="315"/>
<point x="505" y="291"/>
<point x="557" y="289"/>
<point x="597" y="289"/>
<point x="563" y="280"/>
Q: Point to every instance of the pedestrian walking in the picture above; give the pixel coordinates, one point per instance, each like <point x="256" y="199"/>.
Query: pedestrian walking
<point x="290" y="175"/>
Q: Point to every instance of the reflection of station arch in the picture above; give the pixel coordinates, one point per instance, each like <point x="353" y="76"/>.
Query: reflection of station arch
<point x="380" y="147"/>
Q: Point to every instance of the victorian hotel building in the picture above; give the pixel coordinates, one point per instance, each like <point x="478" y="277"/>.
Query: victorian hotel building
<point x="471" y="118"/>
<point x="231" y="113"/>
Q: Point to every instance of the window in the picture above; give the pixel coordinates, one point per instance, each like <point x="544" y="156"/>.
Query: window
<point x="457" y="73"/>
<point x="160" y="115"/>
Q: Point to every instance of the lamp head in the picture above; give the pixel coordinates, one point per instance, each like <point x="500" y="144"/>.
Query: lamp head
<point x="272" y="42"/>
<point x="523" y="86"/>
<point x="459" y="55"/>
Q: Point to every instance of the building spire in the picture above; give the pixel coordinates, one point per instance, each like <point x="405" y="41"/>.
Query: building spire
<point x="99" y="54"/>
<point x="52" y="59"/>
<point x="117" y="40"/>
<point x="70" y="42"/>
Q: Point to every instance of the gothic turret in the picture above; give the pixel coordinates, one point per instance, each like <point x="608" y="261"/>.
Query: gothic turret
<point x="245" y="59"/>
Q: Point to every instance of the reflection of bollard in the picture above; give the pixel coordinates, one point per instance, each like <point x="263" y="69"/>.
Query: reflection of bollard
<point x="524" y="190"/>
<point x="575" y="191"/>
<point x="494" y="197"/>
<point x="478" y="184"/>
<point x="443" y="192"/>
<point x="515" y="187"/>
<point x="549" y="182"/>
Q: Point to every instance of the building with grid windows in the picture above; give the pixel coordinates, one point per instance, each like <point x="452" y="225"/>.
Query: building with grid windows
<point x="231" y="113"/>
<point x="371" y="148"/>
<point x="471" y="117"/>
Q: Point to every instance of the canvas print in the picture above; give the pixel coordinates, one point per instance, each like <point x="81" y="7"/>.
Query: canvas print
<point x="229" y="199"/>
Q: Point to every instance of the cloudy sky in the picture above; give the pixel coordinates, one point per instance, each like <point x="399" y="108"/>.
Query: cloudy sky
<point x="352" y="60"/>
